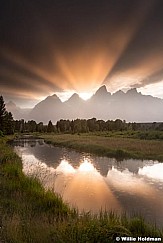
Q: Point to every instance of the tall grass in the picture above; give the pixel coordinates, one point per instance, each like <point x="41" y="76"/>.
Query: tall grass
<point x="118" y="146"/>
<point x="29" y="214"/>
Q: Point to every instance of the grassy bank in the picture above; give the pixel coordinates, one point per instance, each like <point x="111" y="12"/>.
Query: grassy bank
<point x="118" y="145"/>
<point x="29" y="214"/>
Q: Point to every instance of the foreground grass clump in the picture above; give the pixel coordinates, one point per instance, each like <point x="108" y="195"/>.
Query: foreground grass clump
<point x="30" y="214"/>
<point x="115" y="145"/>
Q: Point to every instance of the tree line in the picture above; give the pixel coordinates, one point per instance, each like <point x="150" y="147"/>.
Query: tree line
<point x="94" y="125"/>
<point x="83" y="126"/>
<point x="8" y="125"/>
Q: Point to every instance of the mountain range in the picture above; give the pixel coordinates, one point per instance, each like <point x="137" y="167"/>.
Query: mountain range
<point x="130" y="106"/>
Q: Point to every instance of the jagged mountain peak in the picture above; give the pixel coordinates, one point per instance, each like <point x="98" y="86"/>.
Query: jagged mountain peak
<point x="74" y="100"/>
<point x="129" y="106"/>
<point x="51" y="98"/>
<point x="119" y="93"/>
<point x="49" y="101"/>
<point x="102" y="90"/>
<point x="74" y="96"/>
<point x="101" y="95"/>
<point x="54" y="96"/>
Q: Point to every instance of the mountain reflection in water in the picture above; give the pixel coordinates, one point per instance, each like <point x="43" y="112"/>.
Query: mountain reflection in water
<point x="83" y="187"/>
<point x="94" y="183"/>
<point x="155" y="171"/>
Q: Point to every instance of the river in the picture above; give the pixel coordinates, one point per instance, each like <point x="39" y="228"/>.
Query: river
<point x="92" y="183"/>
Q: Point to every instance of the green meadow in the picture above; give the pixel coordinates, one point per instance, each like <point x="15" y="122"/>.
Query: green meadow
<point x="121" y="145"/>
<point x="31" y="214"/>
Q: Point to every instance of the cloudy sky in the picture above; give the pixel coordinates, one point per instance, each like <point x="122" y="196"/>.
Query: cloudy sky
<point x="65" y="46"/>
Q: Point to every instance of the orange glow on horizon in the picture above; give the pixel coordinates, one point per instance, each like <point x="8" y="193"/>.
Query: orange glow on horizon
<point x="83" y="68"/>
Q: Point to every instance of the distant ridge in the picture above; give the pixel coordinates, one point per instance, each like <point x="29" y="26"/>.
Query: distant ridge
<point x="18" y="113"/>
<point x="129" y="106"/>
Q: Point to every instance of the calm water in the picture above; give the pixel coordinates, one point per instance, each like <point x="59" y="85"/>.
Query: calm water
<point x="91" y="183"/>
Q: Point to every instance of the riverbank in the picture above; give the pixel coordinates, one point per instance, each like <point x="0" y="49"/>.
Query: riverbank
<point x="30" y="214"/>
<point x="111" y="145"/>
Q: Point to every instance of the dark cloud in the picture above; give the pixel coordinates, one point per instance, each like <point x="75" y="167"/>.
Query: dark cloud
<point x="155" y="77"/>
<point x="52" y="45"/>
<point x="18" y="77"/>
<point x="146" y="43"/>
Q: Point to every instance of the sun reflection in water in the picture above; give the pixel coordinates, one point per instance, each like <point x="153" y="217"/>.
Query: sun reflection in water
<point x="86" y="166"/>
<point x="65" y="167"/>
<point x="83" y="187"/>
<point x="86" y="188"/>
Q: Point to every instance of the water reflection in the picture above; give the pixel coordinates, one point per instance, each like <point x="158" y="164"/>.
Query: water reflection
<point x="82" y="187"/>
<point x="93" y="183"/>
<point x="87" y="190"/>
<point x="128" y="182"/>
<point x="155" y="171"/>
<point x="65" y="167"/>
<point x="34" y="168"/>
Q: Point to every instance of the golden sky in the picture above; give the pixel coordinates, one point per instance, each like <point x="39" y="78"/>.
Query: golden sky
<point x="62" y="47"/>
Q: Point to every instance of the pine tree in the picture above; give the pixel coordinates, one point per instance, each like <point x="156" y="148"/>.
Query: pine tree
<point x="8" y="126"/>
<point x="50" y="127"/>
<point x="6" y="119"/>
<point x="3" y="113"/>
